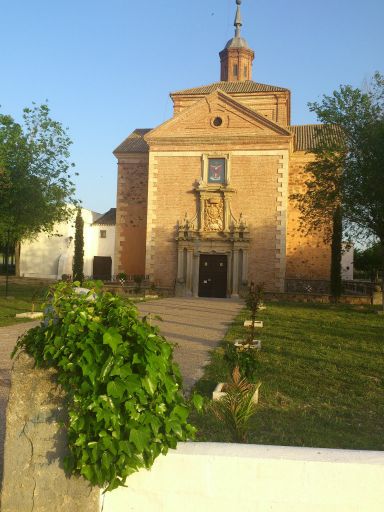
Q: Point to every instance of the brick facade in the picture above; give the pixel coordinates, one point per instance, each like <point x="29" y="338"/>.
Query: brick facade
<point x="131" y="214"/>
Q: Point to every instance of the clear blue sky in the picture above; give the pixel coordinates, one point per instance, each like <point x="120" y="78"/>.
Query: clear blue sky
<point x="107" y="67"/>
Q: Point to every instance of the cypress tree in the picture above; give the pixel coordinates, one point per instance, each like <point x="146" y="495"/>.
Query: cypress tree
<point x="336" y="251"/>
<point x="78" y="259"/>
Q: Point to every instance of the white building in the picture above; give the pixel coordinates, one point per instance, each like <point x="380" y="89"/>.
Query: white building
<point x="50" y="256"/>
<point x="347" y="263"/>
<point x="103" y="246"/>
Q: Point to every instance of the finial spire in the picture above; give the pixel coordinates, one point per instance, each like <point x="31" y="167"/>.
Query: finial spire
<point x="237" y="57"/>
<point x="238" y="23"/>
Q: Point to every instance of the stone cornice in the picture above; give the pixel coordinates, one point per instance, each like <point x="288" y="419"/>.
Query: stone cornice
<point x="236" y="140"/>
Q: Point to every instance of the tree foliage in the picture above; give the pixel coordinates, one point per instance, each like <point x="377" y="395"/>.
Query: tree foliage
<point x="123" y="389"/>
<point x="370" y="260"/>
<point x="78" y="259"/>
<point x="348" y="171"/>
<point x="35" y="174"/>
<point x="360" y="153"/>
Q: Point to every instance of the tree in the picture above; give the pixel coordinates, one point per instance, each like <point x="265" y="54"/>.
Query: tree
<point x="35" y="175"/>
<point x="353" y="163"/>
<point x="78" y="260"/>
<point x="364" y="188"/>
<point x="320" y="205"/>
<point x="369" y="260"/>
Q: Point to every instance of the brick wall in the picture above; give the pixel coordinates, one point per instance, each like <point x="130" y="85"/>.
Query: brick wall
<point x="255" y="180"/>
<point x="131" y="213"/>
<point x="307" y="256"/>
<point x="176" y="176"/>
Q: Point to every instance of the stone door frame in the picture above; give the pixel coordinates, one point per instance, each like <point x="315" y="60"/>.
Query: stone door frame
<point x="189" y="251"/>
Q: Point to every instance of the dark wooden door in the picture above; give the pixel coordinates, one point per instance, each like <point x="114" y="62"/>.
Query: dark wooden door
<point x="213" y="275"/>
<point x="102" y="268"/>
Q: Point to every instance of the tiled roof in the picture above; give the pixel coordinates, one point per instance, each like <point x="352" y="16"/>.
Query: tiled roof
<point x="307" y="135"/>
<point x="305" y="138"/>
<point x="135" y="142"/>
<point x="232" y="87"/>
<point x="108" y="219"/>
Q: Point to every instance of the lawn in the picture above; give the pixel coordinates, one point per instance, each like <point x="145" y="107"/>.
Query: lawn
<point x="322" y="373"/>
<point x="19" y="300"/>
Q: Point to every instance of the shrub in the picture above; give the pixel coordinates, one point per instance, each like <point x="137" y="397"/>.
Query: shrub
<point x="122" y="277"/>
<point x="138" y="279"/>
<point x="245" y="359"/>
<point x="253" y="301"/>
<point x="124" y="401"/>
<point x="237" y="407"/>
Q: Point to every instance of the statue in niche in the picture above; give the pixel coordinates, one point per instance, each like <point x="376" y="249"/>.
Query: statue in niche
<point x="213" y="215"/>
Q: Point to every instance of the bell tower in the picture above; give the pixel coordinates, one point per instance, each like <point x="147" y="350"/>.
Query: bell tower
<point x="237" y="57"/>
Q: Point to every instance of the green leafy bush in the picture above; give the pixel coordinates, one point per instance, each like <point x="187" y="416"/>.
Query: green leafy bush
<point x="124" y="401"/>
<point x="245" y="359"/>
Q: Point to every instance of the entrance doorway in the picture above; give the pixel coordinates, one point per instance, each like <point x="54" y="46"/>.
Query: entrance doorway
<point x="213" y="275"/>
<point x="102" y="268"/>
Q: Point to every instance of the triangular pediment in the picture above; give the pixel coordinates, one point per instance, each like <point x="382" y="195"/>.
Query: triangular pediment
<point x="217" y="115"/>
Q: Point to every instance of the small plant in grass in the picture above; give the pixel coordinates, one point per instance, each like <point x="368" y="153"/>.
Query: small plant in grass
<point x="122" y="277"/>
<point x="253" y="301"/>
<point x="124" y="402"/>
<point x="237" y="407"/>
<point x="34" y="300"/>
<point x="242" y="357"/>
<point x="138" y="279"/>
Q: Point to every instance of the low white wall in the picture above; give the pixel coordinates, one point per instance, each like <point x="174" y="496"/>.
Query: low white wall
<point x="210" y="477"/>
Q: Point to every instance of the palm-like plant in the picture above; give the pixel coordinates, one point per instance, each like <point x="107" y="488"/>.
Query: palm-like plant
<point x="236" y="408"/>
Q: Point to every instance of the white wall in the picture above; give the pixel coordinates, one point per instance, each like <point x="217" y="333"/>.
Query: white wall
<point x="48" y="254"/>
<point x="52" y="256"/>
<point x="104" y="246"/>
<point x="347" y="263"/>
<point x="215" y="477"/>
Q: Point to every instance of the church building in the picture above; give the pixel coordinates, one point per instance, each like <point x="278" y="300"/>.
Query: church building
<point x="203" y="200"/>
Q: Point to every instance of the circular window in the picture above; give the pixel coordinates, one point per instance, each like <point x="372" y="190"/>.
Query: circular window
<point x="217" y="121"/>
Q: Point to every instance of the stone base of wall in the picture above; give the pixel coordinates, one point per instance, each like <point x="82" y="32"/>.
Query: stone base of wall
<point x="35" y="444"/>
<point x="317" y="298"/>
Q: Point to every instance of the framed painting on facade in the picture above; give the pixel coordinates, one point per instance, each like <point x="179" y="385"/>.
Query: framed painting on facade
<point x="216" y="170"/>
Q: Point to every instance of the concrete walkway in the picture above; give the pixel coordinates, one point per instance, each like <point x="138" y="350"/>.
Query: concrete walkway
<point x="196" y="325"/>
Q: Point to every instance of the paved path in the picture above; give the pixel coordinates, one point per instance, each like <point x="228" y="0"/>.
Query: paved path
<point x="8" y="338"/>
<point x="196" y="325"/>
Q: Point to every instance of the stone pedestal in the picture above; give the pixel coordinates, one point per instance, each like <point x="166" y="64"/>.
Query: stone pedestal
<point x="35" y="445"/>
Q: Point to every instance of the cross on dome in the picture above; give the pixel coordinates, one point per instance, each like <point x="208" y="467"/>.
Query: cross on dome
<point x="238" y="22"/>
<point x="237" y="57"/>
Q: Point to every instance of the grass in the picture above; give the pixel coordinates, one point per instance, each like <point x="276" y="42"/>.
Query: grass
<point x="322" y="373"/>
<point x="20" y="297"/>
<point x="19" y="300"/>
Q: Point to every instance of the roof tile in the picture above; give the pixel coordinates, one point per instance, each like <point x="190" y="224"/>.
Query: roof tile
<point x="108" y="219"/>
<point x="307" y="135"/>
<point x="135" y="142"/>
<point x="231" y="87"/>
